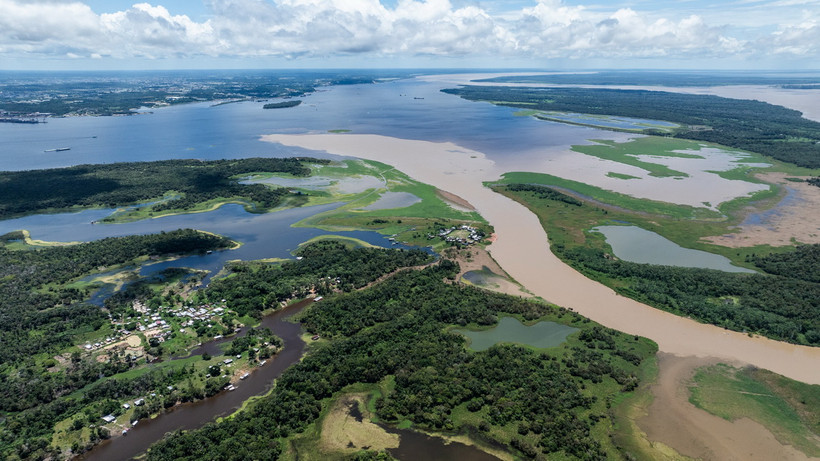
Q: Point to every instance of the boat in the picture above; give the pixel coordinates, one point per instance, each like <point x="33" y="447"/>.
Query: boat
<point x="245" y="376"/>
<point x="59" y="149"/>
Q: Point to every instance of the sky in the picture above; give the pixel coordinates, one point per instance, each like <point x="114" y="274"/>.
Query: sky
<point x="531" y="34"/>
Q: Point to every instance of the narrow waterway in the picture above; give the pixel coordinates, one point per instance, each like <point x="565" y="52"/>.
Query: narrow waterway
<point x="196" y="414"/>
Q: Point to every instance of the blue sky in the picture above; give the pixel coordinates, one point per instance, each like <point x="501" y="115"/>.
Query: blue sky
<point x="544" y="34"/>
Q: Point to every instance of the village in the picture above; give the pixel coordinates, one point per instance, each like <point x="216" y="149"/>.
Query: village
<point x="461" y="236"/>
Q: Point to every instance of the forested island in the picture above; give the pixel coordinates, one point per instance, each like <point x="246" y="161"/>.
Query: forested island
<point x="774" y="131"/>
<point x="783" y="304"/>
<point x="283" y="104"/>
<point x="173" y="185"/>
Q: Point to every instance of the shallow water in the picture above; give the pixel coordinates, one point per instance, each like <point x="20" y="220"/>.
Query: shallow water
<point x="267" y="235"/>
<point x="631" y="243"/>
<point x="511" y="330"/>
<point x="390" y="200"/>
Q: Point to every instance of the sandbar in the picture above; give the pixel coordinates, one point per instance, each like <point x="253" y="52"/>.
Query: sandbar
<point x="522" y="250"/>
<point x="674" y="421"/>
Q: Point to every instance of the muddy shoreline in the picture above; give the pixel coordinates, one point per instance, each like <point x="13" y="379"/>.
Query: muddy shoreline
<point x="522" y="250"/>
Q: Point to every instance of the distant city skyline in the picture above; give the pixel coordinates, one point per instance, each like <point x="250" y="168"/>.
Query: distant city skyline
<point x="537" y="34"/>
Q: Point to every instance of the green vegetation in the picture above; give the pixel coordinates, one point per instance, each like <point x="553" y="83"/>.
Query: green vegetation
<point x="325" y="267"/>
<point x="789" y="409"/>
<point x="40" y="315"/>
<point x="190" y="182"/>
<point x="604" y="196"/>
<point x="803" y="263"/>
<point x="109" y="93"/>
<point x="784" y="307"/>
<point x="662" y="78"/>
<point x="628" y="152"/>
<point x="54" y="389"/>
<point x="533" y="401"/>
<point x="416" y="224"/>
<point x="743" y="124"/>
<point x="615" y="175"/>
<point x="43" y="316"/>
<point x="282" y="105"/>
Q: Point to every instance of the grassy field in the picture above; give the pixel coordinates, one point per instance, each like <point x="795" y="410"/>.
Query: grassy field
<point x="409" y="224"/>
<point x="336" y="434"/>
<point x="747" y="164"/>
<point x="627" y="152"/>
<point x="790" y="409"/>
<point x="614" y="199"/>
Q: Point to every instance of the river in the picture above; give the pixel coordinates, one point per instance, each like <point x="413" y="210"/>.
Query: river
<point x="522" y="250"/>
<point x="195" y="414"/>
<point x="438" y="139"/>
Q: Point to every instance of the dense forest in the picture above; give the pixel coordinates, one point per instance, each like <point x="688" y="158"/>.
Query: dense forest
<point x="784" y="305"/>
<point x="755" y="126"/>
<point x="662" y="78"/>
<point x="118" y="184"/>
<point x="38" y="314"/>
<point x="35" y="321"/>
<point x="282" y="105"/>
<point x="398" y="328"/>
<point x="253" y="287"/>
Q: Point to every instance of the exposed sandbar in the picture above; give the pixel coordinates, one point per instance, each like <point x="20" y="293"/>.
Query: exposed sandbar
<point x="522" y="249"/>
<point x="693" y="432"/>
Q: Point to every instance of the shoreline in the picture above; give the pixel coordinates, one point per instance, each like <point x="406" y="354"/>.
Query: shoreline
<point x="673" y="420"/>
<point x="522" y="250"/>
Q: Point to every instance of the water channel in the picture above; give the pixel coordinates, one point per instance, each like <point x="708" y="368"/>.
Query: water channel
<point x="193" y="415"/>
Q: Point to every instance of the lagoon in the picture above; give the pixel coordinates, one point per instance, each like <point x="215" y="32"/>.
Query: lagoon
<point x="637" y="245"/>
<point x="268" y="235"/>
<point x="510" y="330"/>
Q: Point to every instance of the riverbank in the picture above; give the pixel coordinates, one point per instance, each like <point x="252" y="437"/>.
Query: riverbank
<point x="672" y="420"/>
<point x="522" y="249"/>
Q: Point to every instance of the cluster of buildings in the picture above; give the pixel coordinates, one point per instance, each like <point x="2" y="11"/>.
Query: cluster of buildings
<point x="204" y="312"/>
<point x="469" y="237"/>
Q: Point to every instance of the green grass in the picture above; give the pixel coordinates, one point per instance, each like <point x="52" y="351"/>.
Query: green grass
<point x="627" y="152"/>
<point x="611" y="198"/>
<point x="615" y="175"/>
<point x="569" y="226"/>
<point x="733" y="393"/>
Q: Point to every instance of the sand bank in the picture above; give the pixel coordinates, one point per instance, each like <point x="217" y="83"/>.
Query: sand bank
<point x="693" y="432"/>
<point x="795" y="219"/>
<point x="522" y="249"/>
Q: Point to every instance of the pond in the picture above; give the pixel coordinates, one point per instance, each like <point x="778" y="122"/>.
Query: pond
<point x="511" y="330"/>
<point x="634" y="244"/>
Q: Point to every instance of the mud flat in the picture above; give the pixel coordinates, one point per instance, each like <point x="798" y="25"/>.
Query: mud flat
<point x="675" y="422"/>
<point x="522" y="249"/>
<point x="796" y="218"/>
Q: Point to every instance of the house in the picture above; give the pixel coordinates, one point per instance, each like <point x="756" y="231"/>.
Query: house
<point x="109" y="418"/>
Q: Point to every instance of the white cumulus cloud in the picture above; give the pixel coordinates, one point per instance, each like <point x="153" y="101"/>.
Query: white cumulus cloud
<point x="322" y="28"/>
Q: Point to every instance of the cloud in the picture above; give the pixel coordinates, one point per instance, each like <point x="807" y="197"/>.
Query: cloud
<point x="319" y="28"/>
